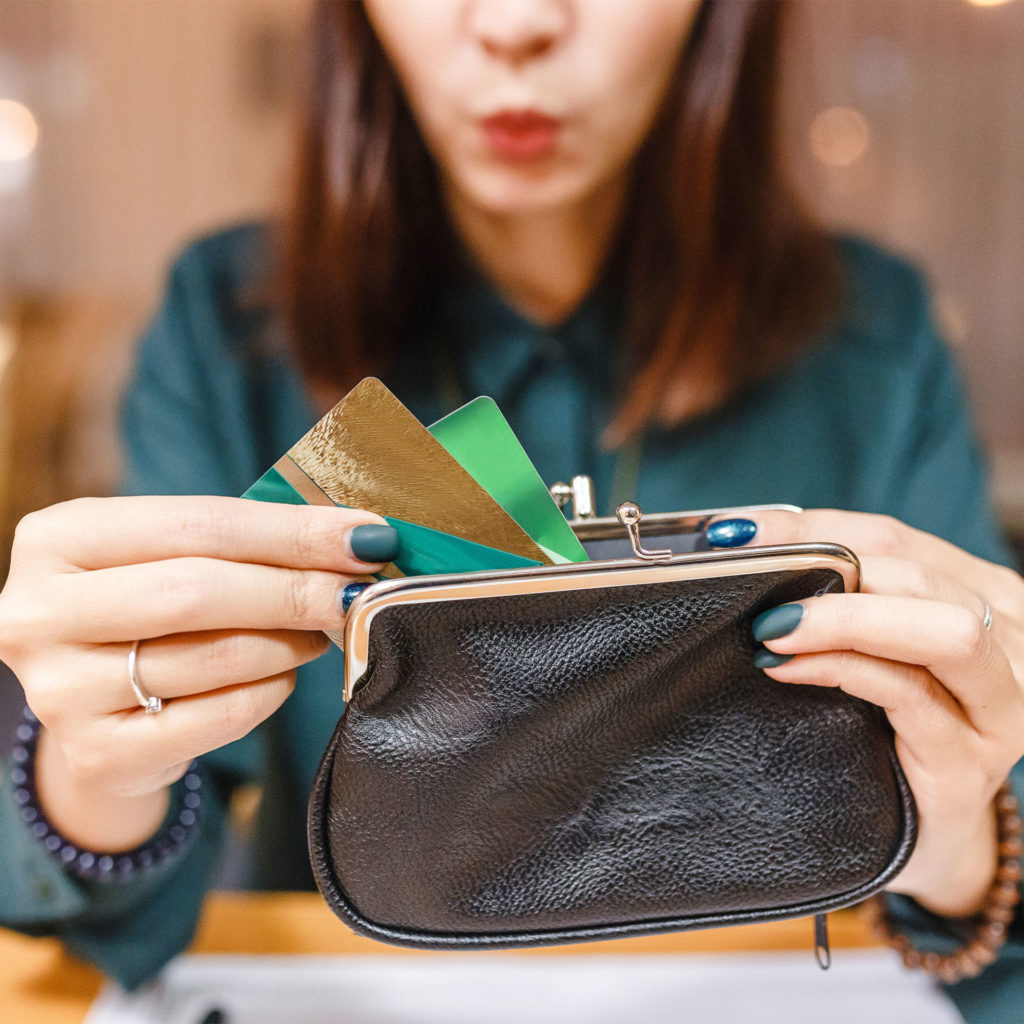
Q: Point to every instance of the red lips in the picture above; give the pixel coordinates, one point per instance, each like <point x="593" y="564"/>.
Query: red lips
<point x="520" y="135"/>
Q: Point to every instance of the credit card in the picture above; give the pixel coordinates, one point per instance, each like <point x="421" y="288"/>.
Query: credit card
<point x="370" y="452"/>
<point x="478" y="436"/>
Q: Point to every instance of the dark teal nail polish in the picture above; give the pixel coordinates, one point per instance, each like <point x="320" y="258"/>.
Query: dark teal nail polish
<point x="730" y="533"/>
<point x="769" y="659"/>
<point x="776" y="622"/>
<point x="350" y="593"/>
<point x="374" y="543"/>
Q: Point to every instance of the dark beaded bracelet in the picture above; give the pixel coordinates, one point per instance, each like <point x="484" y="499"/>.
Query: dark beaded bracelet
<point x="169" y="842"/>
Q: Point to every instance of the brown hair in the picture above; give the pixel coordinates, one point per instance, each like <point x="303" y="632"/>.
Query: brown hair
<point x="725" y="275"/>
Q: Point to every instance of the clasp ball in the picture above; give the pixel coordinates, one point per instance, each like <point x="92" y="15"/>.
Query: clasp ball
<point x="628" y="513"/>
<point x="561" y="493"/>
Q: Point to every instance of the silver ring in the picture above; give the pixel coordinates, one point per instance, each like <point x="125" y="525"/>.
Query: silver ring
<point x="151" y="704"/>
<point x="986" y="619"/>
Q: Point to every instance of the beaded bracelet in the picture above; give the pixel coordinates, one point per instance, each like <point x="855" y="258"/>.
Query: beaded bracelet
<point x="170" y="841"/>
<point x="992" y="928"/>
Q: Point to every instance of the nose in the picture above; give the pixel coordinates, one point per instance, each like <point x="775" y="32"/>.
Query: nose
<point x="516" y="31"/>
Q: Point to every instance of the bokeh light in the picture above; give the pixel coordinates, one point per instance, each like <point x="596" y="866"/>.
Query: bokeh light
<point x="987" y="3"/>
<point x="839" y="136"/>
<point x="18" y="131"/>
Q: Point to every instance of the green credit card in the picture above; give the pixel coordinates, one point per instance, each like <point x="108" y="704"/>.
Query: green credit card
<point x="478" y="436"/>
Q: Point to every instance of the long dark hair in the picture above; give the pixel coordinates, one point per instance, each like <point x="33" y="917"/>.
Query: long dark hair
<point x="725" y="275"/>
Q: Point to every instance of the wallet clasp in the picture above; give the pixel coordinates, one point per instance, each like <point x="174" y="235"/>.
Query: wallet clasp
<point x="580" y="492"/>
<point x="629" y="514"/>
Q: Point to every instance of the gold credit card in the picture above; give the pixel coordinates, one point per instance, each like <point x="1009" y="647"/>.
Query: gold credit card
<point x="370" y="452"/>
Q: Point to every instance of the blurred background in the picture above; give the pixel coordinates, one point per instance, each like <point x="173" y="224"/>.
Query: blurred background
<point x="128" y="127"/>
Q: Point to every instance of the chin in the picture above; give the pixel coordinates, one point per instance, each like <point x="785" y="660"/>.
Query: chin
<point x="522" y="190"/>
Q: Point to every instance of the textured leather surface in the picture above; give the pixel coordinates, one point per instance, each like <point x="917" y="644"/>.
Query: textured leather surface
<point x="588" y="764"/>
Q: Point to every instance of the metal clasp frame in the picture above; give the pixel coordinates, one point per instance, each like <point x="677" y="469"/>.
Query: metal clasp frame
<point x="581" y="493"/>
<point x="629" y="514"/>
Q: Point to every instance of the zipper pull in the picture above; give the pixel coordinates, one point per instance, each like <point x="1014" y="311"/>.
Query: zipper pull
<point x="821" y="951"/>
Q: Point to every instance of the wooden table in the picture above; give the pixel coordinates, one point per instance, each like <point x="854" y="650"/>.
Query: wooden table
<point x="40" y="984"/>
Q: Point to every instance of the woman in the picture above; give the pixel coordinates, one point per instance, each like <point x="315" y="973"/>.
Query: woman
<point x="575" y="208"/>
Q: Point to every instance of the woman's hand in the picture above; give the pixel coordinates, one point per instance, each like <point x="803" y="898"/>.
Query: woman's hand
<point x="914" y="643"/>
<point x="228" y="595"/>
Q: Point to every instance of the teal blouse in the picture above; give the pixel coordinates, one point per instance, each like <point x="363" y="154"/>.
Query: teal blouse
<point x="871" y="418"/>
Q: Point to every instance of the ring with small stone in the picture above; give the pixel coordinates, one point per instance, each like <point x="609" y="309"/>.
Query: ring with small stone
<point x="146" y="700"/>
<point x="986" y="619"/>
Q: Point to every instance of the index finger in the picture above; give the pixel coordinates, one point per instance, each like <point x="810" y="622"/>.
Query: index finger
<point x="948" y="640"/>
<point x="100" y="533"/>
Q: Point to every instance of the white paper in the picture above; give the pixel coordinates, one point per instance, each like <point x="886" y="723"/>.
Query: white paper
<point x="767" y="988"/>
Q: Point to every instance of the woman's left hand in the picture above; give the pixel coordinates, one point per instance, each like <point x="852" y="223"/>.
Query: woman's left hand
<point x="914" y="642"/>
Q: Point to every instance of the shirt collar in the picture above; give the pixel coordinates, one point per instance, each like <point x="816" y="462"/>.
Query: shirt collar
<point x="496" y="346"/>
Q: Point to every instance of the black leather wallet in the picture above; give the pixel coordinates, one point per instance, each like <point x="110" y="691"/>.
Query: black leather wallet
<point x="586" y="751"/>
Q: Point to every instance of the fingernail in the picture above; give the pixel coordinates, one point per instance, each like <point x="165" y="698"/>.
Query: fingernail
<point x="374" y="543"/>
<point x="730" y="533"/>
<point x="350" y="593"/>
<point x="777" y="622"/>
<point x="769" y="659"/>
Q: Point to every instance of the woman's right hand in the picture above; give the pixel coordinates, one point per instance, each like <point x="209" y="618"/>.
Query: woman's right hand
<point x="229" y="597"/>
